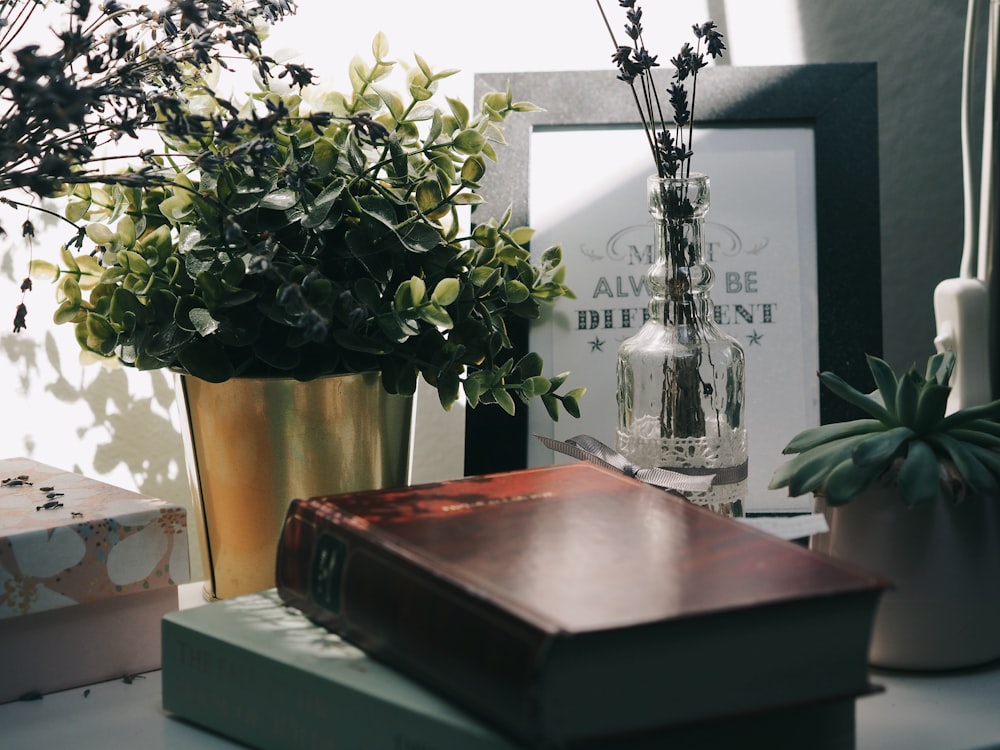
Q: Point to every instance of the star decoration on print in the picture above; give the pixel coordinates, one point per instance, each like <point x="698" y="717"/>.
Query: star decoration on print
<point x="596" y="345"/>
<point x="755" y="338"/>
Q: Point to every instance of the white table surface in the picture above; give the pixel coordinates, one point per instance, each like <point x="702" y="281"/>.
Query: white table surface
<point x="952" y="711"/>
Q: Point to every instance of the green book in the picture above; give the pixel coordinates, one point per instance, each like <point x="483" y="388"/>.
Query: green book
<point x="261" y="673"/>
<point x="258" y="672"/>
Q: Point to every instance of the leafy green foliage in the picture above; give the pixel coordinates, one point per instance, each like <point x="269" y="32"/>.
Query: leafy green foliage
<point x="908" y="433"/>
<point x="339" y="249"/>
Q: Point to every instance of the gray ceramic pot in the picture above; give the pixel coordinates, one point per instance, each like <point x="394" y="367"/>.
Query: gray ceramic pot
<point x="943" y="559"/>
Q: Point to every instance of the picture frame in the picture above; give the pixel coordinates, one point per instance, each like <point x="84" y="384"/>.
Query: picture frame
<point x="831" y="108"/>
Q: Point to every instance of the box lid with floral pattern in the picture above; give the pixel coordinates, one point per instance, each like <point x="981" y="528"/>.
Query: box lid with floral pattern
<point x="66" y="539"/>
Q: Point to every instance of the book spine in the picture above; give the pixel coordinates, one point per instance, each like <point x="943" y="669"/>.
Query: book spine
<point x="271" y="705"/>
<point x="450" y="638"/>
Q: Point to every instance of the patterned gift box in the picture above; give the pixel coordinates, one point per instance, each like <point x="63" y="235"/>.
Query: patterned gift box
<point x="92" y="542"/>
<point x="86" y="571"/>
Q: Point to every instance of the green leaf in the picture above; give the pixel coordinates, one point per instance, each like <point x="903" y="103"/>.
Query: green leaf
<point x="418" y="290"/>
<point x="806" y="472"/>
<point x="70" y="288"/>
<point x="67" y="312"/>
<point x="424" y="67"/>
<point x="124" y="302"/>
<point x="503" y="399"/>
<point x="203" y="321"/>
<point x="983" y="425"/>
<point x="932" y="403"/>
<point x="400" y="163"/>
<point x="100" y="234"/>
<point x="984" y="411"/>
<point x="522" y="235"/>
<point x="969" y="467"/>
<point x="535" y="386"/>
<point x="436" y="316"/>
<point x="434" y="132"/>
<point x="420" y="93"/>
<point x="940" y="367"/>
<point x="380" y="46"/>
<point x="473" y="170"/>
<point x="551" y="404"/>
<point x="853" y="396"/>
<point x="403" y="299"/>
<point x="101" y="335"/>
<point x="321" y="208"/>
<point x="134" y="262"/>
<point x="447" y="388"/>
<point x="473" y="389"/>
<point x="469" y="142"/>
<point x="126" y="231"/>
<point x="421" y="238"/>
<point x="43" y="269"/>
<point x="428" y="196"/>
<point x="495" y="101"/>
<point x="907" y="396"/>
<point x="846" y="480"/>
<point x="885" y="379"/>
<point x="988" y="440"/>
<point x="358" y="73"/>
<point x="530" y="365"/>
<point x="182" y="312"/>
<point x="460" y="111"/>
<point x="516" y="292"/>
<point x="808" y="439"/>
<point x="206" y="360"/>
<point x="446" y="291"/>
<point x="571" y="405"/>
<point x="77" y="210"/>
<point x="211" y="288"/>
<point x="280" y="200"/>
<point x="918" y="476"/>
<point x="989" y="458"/>
<point x="881" y="447"/>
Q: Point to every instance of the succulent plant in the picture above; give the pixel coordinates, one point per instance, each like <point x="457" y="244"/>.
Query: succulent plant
<point x="908" y="436"/>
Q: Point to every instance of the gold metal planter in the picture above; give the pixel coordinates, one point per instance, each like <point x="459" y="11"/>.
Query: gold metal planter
<point x="254" y="444"/>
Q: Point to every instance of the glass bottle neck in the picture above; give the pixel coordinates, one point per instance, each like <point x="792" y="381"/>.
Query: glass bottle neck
<point x="679" y="280"/>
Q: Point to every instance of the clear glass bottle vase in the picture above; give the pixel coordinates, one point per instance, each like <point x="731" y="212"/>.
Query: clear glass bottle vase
<point x="681" y="393"/>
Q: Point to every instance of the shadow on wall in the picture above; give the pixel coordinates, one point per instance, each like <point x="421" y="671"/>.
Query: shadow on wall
<point x="115" y="426"/>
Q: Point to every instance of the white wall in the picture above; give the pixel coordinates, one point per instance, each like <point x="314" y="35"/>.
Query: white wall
<point x="121" y="425"/>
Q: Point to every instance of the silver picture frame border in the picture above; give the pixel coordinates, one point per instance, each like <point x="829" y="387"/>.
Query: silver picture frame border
<point x="837" y="101"/>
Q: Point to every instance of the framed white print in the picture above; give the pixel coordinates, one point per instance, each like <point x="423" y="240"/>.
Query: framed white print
<point x="793" y="232"/>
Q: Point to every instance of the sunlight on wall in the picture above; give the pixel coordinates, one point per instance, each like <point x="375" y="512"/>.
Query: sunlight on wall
<point x="764" y="32"/>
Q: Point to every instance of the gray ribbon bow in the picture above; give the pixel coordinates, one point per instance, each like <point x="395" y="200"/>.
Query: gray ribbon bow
<point x="590" y="449"/>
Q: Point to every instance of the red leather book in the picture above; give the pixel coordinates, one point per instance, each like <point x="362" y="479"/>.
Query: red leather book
<point x="571" y="603"/>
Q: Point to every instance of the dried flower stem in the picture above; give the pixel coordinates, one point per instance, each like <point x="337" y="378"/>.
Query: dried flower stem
<point x="647" y="126"/>
<point x="670" y="152"/>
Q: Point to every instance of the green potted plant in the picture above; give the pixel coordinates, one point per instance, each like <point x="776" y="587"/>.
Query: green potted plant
<point x="341" y="252"/>
<point x="912" y="492"/>
<point x="315" y="243"/>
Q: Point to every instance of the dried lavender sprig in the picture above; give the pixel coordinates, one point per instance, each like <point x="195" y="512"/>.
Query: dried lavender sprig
<point x="670" y="153"/>
<point x="629" y="70"/>
<point x="715" y="46"/>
